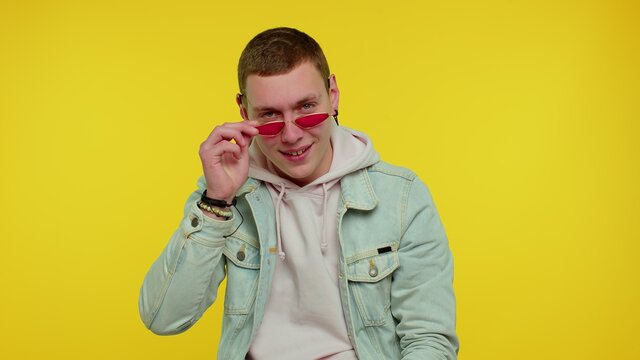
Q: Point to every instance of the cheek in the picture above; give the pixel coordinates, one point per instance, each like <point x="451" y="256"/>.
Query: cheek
<point x="268" y="146"/>
<point x="322" y="133"/>
<point x="264" y="142"/>
<point x="261" y="144"/>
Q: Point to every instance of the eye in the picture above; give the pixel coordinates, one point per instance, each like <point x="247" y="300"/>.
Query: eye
<point x="268" y="114"/>
<point x="307" y="106"/>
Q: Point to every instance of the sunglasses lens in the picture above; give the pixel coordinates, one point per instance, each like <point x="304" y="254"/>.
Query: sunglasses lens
<point x="312" y="120"/>
<point x="271" y="128"/>
<point x="305" y="122"/>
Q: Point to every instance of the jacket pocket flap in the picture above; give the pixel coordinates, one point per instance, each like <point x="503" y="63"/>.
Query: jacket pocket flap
<point x="242" y="253"/>
<point x="373" y="268"/>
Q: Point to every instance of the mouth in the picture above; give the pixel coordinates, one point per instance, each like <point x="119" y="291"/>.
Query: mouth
<point x="297" y="154"/>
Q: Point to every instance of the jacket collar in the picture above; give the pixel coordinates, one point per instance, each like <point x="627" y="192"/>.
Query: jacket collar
<point x="357" y="190"/>
<point x="249" y="186"/>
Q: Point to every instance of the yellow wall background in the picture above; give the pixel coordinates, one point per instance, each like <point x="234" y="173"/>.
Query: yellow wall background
<point x="522" y="116"/>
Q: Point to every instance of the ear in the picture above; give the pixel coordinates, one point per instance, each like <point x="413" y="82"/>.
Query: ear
<point x="243" y="109"/>
<point x="334" y="94"/>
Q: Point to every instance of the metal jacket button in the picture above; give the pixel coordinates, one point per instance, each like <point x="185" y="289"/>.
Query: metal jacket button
<point x="194" y="222"/>
<point x="373" y="270"/>
<point x="240" y="255"/>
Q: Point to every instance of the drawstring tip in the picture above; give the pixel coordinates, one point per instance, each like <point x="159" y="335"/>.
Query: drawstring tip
<point x="323" y="247"/>
<point x="282" y="255"/>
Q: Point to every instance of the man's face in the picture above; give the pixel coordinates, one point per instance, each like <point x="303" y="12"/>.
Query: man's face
<point x="299" y="155"/>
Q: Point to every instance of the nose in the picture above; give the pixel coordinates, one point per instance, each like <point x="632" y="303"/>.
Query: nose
<point x="291" y="133"/>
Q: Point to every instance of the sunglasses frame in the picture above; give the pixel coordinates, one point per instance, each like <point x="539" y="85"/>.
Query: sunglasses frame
<point x="295" y="121"/>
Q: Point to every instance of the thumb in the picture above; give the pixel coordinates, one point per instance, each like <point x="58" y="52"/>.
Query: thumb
<point x="244" y="150"/>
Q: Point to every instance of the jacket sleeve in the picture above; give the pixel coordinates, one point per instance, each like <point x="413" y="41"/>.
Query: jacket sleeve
<point x="422" y="298"/>
<point x="183" y="282"/>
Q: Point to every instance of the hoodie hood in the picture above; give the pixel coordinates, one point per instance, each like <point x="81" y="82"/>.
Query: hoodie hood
<point x="352" y="151"/>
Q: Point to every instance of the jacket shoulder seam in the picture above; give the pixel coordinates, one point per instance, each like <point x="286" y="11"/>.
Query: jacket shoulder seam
<point x="388" y="169"/>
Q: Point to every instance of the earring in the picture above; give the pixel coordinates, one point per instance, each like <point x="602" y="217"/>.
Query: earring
<point x="335" y="116"/>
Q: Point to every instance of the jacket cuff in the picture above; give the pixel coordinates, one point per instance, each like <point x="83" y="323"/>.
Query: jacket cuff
<point x="197" y="225"/>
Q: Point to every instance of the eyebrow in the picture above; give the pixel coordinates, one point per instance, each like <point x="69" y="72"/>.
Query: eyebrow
<point x="306" y="99"/>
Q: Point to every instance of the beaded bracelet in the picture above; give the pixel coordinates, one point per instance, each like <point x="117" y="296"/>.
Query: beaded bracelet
<point x="215" y="211"/>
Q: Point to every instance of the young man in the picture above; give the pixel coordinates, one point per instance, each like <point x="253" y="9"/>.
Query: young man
<point x="329" y="253"/>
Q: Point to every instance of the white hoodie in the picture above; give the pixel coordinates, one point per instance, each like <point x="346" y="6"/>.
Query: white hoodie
<point x="303" y="318"/>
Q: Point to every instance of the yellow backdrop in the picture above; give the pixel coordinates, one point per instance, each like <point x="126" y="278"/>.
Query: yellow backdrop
<point x="522" y="117"/>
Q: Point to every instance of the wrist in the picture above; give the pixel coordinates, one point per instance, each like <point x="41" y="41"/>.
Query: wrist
<point x="211" y="194"/>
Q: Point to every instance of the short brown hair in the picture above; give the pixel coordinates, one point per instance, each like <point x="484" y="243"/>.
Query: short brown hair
<point x="278" y="51"/>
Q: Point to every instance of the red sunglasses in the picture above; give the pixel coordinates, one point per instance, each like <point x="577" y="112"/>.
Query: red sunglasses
<point x="273" y="128"/>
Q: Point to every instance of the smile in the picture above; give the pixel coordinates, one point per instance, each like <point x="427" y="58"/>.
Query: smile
<point x="297" y="152"/>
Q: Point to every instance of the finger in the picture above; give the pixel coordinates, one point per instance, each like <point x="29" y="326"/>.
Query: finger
<point x="220" y="134"/>
<point x="245" y="149"/>
<point x="221" y="148"/>
<point x="235" y="131"/>
<point x="246" y="126"/>
<point x="246" y="133"/>
<point x="252" y="122"/>
<point x="251" y="130"/>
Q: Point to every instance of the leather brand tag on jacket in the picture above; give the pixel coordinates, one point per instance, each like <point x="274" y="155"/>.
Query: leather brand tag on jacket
<point x="383" y="250"/>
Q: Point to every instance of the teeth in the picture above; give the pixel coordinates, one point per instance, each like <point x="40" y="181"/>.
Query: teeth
<point x="297" y="152"/>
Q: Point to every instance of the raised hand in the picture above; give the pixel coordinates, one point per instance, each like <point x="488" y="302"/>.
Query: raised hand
<point x="225" y="158"/>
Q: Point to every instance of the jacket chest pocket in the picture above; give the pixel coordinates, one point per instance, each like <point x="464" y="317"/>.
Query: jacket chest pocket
<point x="370" y="283"/>
<point x="243" y="270"/>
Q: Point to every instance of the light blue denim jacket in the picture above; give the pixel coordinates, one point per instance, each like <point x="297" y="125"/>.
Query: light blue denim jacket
<point x="395" y="269"/>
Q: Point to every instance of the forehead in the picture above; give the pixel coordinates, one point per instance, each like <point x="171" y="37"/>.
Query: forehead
<point x="304" y="81"/>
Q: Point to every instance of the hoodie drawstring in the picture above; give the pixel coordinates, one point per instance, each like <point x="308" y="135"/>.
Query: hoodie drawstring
<point x="278" y="202"/>
<point x="323" y="242"/>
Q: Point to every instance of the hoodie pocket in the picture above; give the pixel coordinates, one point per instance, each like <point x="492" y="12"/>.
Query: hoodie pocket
<point x="370" y="283"/>
<point x="243" y="270"/>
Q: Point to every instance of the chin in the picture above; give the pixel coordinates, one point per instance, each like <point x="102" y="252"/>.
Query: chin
<point x="297" y="175"/>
